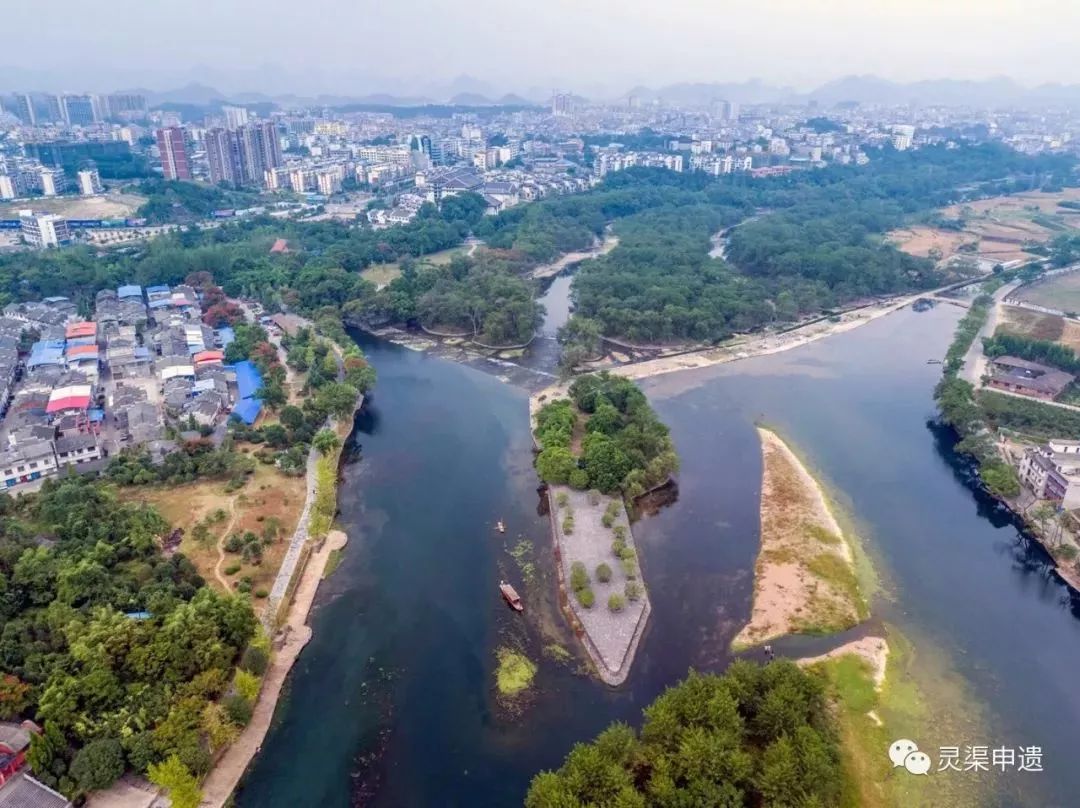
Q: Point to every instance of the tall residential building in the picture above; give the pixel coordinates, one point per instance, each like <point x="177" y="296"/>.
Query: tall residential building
<point x="235" y="117"/>
<point x="8" y="187"/>
<point x="53" y="181"/>
<point x="269" y="146"/>
<point x="223" y="155"/>
<point x="126" y="102"/>
<point x="561" y="104"/>
<point x="172" y="145"/>
<point x="49" y="108"/>
<point x="89" y="182"/>
<point x="21" y="105"/>
<point x="78" y="110"/>
<point x="46" y="230"/>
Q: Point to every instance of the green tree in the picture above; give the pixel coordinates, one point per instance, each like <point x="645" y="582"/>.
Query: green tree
<point x="98" y="765"/>
<point x="180" y="783"/>
<point x="555" y="465"/>
<point x="325" y="441"/>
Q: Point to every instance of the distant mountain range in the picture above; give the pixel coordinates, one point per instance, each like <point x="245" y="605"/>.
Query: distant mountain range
<point x="999" y="91"/>
<point x="469" y="91"/>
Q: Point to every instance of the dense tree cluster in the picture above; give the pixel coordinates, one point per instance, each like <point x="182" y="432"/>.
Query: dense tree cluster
<point x="817" y="242"/>
<point x="1034" y="350"/>
<point x="625" y="448"/>
<point x="175" y="201"/>
<point x="116" y="650"/>
<point x="753" y="736"/>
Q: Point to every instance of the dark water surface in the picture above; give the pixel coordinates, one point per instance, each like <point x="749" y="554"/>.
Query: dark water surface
<point x="394" y="697"/>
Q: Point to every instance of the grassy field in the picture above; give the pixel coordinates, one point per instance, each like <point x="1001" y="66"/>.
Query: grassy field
<point x="1061" y="292"/>
<point x="270" y="502"/>
<point x="382" y="274"/>
<point x="109" y="206"/>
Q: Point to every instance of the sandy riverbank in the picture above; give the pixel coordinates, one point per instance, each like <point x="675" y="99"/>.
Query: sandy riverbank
<point x="872" y="650"/>
<point x="805" y="573"/>
<point x="222" y="780"/>
<point x="760" y="345"/>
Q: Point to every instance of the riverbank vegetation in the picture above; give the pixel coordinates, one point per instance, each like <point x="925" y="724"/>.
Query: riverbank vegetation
<point x="753" y="736"/>
<point x="119" y="651"/>
<point x="606" y="437"/>
<point x="804" y="579"/>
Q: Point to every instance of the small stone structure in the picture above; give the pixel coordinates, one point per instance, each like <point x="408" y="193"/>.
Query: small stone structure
<point x="611" y="638"/>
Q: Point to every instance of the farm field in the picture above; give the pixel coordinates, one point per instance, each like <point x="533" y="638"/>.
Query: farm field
<point x="995" y="228"/>
<point x="382" y="274"/>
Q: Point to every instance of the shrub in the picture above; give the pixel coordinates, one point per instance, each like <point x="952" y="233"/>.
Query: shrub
<point x="247" y="684"/>
<point x="232" y="569"/>
<point x="629" y="568"/>
<point x="562" y="499"/>
<point x="234" y="544"/>
<point x="633" y="591"/>
<point x="594" y="497"/>
<point x="579" y="479"/>
<point x="627" y="553"/>
<point x="613" y="509"/>
<point x="618" y="547"/>
<point x="607" y="520"/>
<point x="238" y="709"/>
<point x="620" y="532"/>
<point x="568" y="525"/>
<point x="616" y="603"/>
<point x="603" y="573"/>
<point x="255" y="660"/>
<point x="262" y="593"/>
<point x="579" y="576"/>
<point x="586" y="597"/>
<point x="98" y="764"/>
<point x="243" y="587"/>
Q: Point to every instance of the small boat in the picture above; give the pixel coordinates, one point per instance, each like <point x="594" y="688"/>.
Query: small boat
<point x="510" y="595"/>
<point x="499" y="526"/>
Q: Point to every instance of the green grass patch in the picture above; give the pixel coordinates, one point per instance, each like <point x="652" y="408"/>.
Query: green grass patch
<point x="333" y="561"/>
<point x="834" y="570"/>
<point x="557" y="652"/>
<point x="822" y="535"/>
<point x="515" y="672"/>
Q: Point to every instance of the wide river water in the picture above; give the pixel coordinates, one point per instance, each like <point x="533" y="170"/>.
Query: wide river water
<point x="392" y="703"/>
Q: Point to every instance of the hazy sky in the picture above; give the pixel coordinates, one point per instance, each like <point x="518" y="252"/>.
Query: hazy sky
<point x="398" y="45"/>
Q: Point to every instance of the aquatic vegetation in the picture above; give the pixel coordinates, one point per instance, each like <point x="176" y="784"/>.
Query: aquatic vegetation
<point x="515" y="672"/>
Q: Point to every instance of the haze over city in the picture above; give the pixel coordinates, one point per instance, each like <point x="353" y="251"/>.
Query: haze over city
<point x="601" y="48"/>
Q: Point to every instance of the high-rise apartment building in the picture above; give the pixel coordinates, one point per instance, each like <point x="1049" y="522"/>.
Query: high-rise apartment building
<point x="172" y="145"/>
<point x="126" y="102"/>
<point x="223" y="155"/>
<point x="78" y="110"/>
<point x="235" y="117"/>
<point x="53" y="181"/>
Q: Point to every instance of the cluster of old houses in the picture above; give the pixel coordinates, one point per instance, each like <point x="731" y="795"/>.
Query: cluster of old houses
<point x="72" y="390"/>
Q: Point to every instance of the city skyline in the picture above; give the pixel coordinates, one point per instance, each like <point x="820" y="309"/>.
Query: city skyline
<point x="603" y="50"/>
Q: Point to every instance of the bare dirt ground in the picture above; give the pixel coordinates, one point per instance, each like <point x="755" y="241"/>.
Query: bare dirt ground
<point x="269" y="495"/>
<point x="107" y="206"/>
<point x="804" y="577"/>
<point x="1050" y="327"/>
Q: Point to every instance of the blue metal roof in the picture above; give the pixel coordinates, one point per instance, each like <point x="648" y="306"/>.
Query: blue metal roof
<point x="247" y="410"/>
<point x="131" y="290"/>
<point x="96" y="414"/>
<point x="142" y="352"/>
<point x="160" y="303"/>
<point x="248" y="379"/>
<point x="226" y="335"/>
<point x="157" y="290"/>
<point x="46" y="352"/>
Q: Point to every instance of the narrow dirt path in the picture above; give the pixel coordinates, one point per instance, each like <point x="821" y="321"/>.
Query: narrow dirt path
<point x="221" y="547"/>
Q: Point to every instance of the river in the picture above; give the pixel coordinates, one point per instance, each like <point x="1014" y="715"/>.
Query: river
<point x="392" y="703"/>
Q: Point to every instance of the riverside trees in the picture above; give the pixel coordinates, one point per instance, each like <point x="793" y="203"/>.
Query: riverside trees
<point x="754" y="736"/>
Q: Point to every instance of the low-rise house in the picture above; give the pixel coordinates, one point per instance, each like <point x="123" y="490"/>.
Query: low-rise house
<point x="1052" y="472"/>
<point x="1028" y="378"/>
<point x="27" y="462"/>
<point x="76" y="449"/>
<point x="23" y="791"/>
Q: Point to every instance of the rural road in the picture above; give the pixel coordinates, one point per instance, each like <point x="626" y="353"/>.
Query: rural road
<point x="974" y="361"/>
